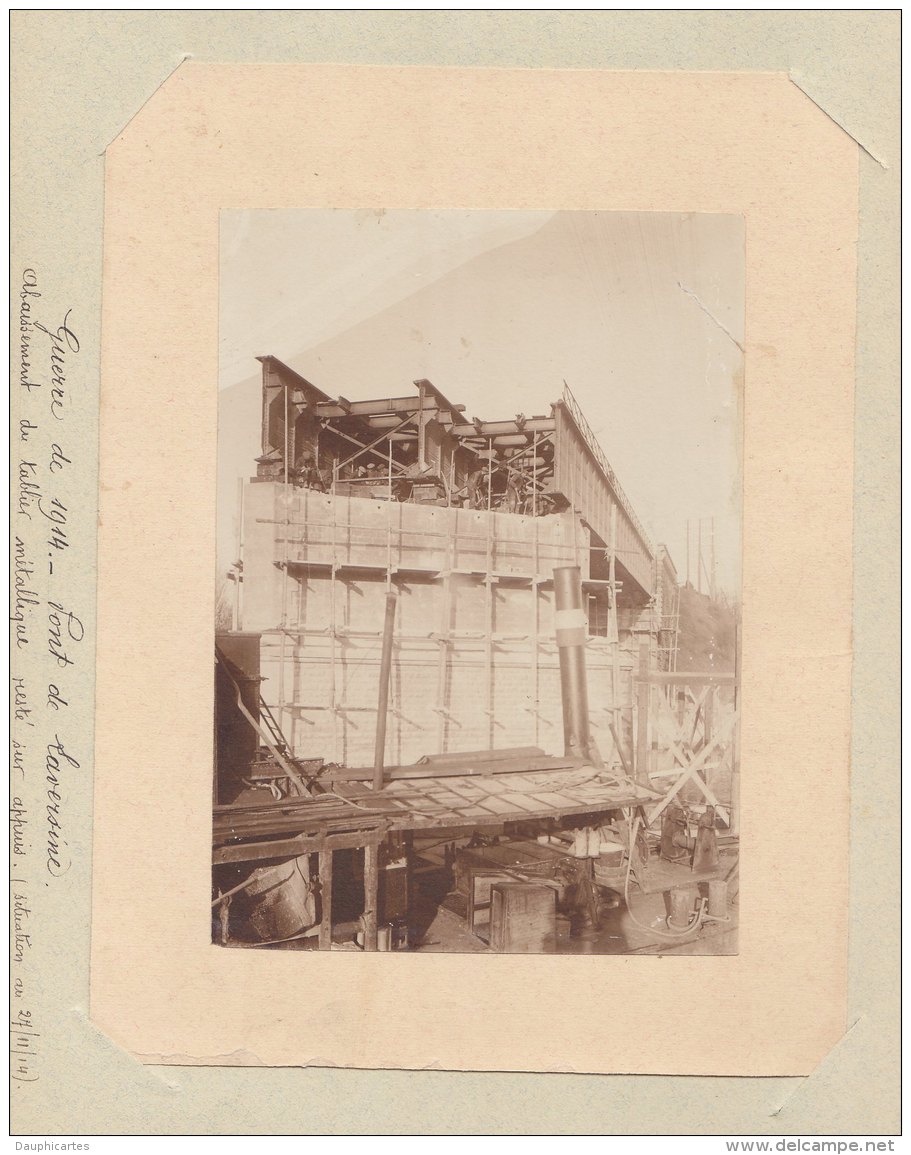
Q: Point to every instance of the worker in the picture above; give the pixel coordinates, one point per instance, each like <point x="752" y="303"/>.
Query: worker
<point x="305" y="471"/>
<point x="515" y="492"/>
<point x="475" y="484"/>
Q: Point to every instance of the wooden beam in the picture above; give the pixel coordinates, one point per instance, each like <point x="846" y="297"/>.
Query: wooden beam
<point x="354" y="441"/>
<point x="290" y="847"/>
<point x="386" y="421"/>
<point x="495" y="428"/>
<point x="292" y="379"/>
<point x="658" y="678"/>
<point x="481" y="767"/>
<point x="511" y="440"/>
<point x="371" y="895"/>
<point x="372" y="444"/>
<point x="642" y="699"/>
<point x="325" y="890"/>
<point x="383" y="406"/>
<point x="430" y="390"/>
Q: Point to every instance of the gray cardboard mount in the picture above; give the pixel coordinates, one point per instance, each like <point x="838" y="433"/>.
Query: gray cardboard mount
<point x="78" y="78"/>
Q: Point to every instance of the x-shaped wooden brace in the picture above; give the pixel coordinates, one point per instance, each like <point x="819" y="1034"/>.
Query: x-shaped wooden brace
<point x="677" y="739"/>
<point x="691" y="773"/>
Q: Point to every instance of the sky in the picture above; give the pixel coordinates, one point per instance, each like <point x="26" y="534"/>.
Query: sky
<point x="642" y="314"/>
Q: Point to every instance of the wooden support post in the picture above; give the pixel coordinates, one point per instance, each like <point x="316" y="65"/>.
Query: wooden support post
<point x="536" y="628"/>
<point x="371" y="894"/>
<point x="623" y="762"/>
<point x="239" y="570"/>
<point x="643" y="702"/>
<point x="534" y="484"/>
<point x="325" y="890"/>
<point x="489" y="609"/>
<point x="286" y="498"/>
<point x="382" y="709"/>
<point x="337" y="752"/>
<point x="613" y="632"/>
<point x="389" y="541"/>
<point x="422" y="431"/>
<point x="489" y="655"/>
<point x="708" y="714"/>
<point x="445" y="652"/>
<point x="735" y="779"/>
<point x="287" y="448"/>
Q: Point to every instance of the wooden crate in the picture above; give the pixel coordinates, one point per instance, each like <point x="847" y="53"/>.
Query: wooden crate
<point x="479" y="884"/>
<point x="523" y="918"/>
<point x="523" y="855"/>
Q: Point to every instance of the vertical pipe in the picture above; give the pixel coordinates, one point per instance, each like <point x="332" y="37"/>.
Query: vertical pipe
<point x="569" y="620"/>
<point x="382" y="708"/>
<point x="683" y="904"/>
<point x="371" y="894"/>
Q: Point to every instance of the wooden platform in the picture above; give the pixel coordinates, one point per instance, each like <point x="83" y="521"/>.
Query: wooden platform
<point x="355" y="815"/>
<point x="475" y="800"/>
<point x="254" y="831"/>
<point x="660" y="875"/>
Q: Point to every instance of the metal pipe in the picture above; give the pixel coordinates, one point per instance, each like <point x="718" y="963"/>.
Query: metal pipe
<point x="571" y="631"/>
<point x="382" y="708"/>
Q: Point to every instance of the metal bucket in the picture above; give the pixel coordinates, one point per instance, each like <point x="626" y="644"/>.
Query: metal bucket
<point x="281" y="900"/>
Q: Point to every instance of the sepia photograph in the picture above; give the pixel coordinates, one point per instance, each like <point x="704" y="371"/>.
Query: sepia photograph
<point x="477" y="588"/>
<point x="456" y="508"/>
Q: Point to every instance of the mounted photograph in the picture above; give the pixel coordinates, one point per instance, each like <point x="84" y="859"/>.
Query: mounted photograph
<point x="476" y="648"/>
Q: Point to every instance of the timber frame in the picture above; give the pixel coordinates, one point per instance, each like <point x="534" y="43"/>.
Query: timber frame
<point x="423" y="448"/>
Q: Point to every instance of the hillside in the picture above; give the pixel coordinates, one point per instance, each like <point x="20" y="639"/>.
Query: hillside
<point x="708" y="638"/>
